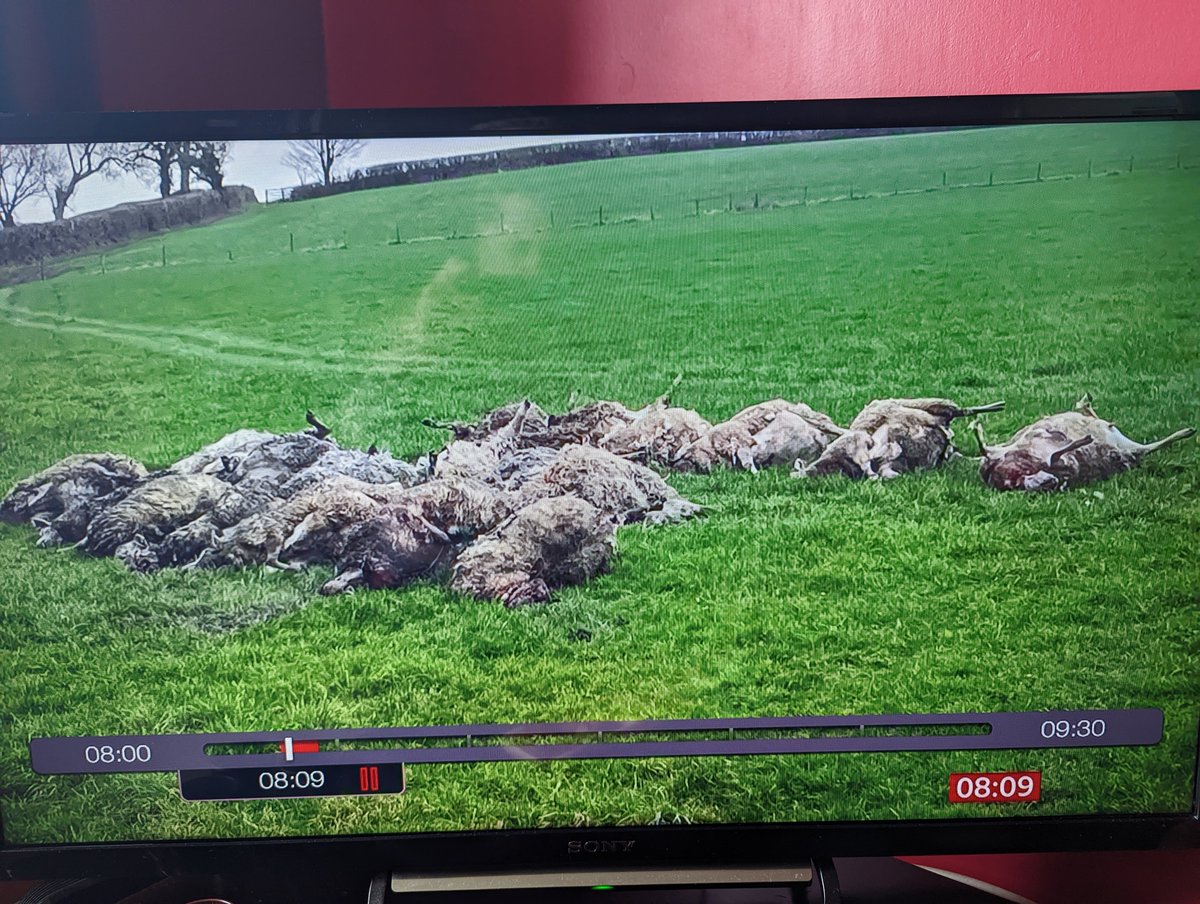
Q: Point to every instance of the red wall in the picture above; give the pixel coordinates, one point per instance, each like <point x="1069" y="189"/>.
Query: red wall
<point x="222" y="54"/>
<point x="456" y="52"/>
<point x="208" y="54"/>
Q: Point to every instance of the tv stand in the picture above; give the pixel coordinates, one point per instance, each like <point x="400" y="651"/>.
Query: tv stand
<point x="809" y="882"/>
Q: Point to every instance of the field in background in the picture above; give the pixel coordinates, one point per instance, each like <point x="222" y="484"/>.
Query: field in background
<point x="929" y="593"/>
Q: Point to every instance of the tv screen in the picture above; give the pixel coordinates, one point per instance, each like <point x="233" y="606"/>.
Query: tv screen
<point x="462" y="484"/>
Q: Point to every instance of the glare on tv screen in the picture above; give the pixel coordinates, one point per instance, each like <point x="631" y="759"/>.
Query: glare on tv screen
<point x="405" y="486"/>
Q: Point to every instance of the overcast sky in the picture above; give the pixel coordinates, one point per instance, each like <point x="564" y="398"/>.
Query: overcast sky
<point x="257" y="164"/>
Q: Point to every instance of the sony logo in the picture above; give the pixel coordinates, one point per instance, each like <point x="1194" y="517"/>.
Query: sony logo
<point x="599" y="847"/>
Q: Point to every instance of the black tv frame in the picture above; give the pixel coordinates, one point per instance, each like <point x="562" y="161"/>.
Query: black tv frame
<point x="667" y="846"/>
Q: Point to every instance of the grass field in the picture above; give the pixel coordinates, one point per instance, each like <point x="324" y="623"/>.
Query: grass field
<point x="925" y="594"/>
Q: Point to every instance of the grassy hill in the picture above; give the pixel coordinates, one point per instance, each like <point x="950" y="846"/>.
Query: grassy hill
<point x="930" y="593"/>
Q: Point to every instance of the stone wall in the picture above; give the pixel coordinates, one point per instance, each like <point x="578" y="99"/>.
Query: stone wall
<point x="33" y="243"/>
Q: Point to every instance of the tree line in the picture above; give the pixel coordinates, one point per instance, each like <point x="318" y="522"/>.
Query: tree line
<point x="29" y="171"/>
<point x="55" y="171"/>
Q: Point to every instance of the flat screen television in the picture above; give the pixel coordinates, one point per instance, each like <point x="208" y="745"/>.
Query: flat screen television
<point x="477" y="489"/>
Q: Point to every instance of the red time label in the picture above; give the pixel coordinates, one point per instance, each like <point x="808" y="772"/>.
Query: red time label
<point x="995" y="787"/>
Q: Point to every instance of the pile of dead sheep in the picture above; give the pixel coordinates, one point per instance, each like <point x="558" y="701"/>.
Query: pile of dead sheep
<point x="518" y="503"/>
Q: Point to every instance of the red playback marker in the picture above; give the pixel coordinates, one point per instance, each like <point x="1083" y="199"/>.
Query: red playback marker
<point x="302" y="747"/>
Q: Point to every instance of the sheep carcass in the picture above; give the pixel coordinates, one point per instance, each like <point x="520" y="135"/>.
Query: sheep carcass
<point x="890" y="437"/>
<point x="467" y="459"/>
<point x="60" y="501"/>
<point x="1068" y="449"/>
<point x="657" y="435"/>
<point x="855" y="454"/>
<point x="518" y="468"/>
<point x="149" y="512"/>
<point x="552" y="543"/>
<point x="312" y="527"/>
<point x="417" y="535"/>
<point x="266" y="469"/>
<point x="587" y="425"/>
<point x="189" y="542"/>
<point x="532" y="427"/>
<point x="369" y="467"/>
<point x="222" y="457"/>
<point x="620" y="488"/>
<point x="777" y="432"/>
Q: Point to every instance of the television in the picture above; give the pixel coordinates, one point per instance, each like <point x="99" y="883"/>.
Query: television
<point x="573" y="488"/>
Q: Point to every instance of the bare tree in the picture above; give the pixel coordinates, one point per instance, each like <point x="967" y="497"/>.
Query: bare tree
<point x="204" y="159"/>
<point x="183" y="161"/>
<point x="318" y="158"/>
<point x="24" y="171"/>
<point x="70" y="164"/>
<point x="152" y="163"/>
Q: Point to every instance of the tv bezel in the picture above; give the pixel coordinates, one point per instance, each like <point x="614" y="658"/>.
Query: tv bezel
<point x="664" y="846"/>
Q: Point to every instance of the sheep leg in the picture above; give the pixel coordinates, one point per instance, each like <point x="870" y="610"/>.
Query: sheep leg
<point x="517" y="425"/>
<point x="274" y="563"/>
<point x="744" y="459"/>
<point x="980" y="409"/>
<point x="345" y="582"/>
<point x="47" y="535"/>
<point x="299" y="532"/>
<point x="320" y="431"/>
<point x="438" y="534"/>
<point x="948" y="450"/>
<point x="672" y="512"/>
<point x="977" y="429"/>
<point x="1175" y="437"/>
<point x="208" y="558"/>
<point x="1084" y="406"/>
<point x="1056" y="457"/>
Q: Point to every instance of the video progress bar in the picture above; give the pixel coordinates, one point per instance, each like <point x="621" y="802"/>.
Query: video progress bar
<point x="601" y="740"/>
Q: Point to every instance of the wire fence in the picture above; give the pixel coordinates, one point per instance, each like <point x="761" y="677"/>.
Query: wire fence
<point x="434" y="226"/>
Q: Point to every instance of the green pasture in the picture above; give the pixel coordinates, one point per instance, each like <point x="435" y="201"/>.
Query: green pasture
<point x="929" y="593"/>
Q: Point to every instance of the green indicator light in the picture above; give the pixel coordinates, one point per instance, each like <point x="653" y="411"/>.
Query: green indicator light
<point x="603" y="887"/>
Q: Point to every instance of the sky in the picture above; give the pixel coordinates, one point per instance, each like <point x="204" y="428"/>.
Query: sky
<point x="257" y="164"/>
